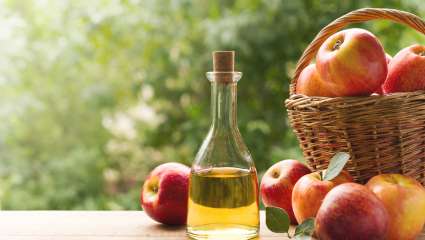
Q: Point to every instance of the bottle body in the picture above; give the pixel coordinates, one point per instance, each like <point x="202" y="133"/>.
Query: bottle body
<point x="223" y="202"/>
<point x="223" y="186"/>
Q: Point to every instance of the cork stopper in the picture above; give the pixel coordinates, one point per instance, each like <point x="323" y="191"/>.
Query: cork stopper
<point x="223" y="67"/>
<point x="224" y="61"/>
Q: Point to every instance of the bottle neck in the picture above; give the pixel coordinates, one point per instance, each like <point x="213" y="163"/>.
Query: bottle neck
<point x="223" y="104"/>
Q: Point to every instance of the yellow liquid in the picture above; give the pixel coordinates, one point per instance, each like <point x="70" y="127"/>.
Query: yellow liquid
<point x="223" y="204"/>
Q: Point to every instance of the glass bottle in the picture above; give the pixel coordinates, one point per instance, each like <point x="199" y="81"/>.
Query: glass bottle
<point x="223" y="186"/>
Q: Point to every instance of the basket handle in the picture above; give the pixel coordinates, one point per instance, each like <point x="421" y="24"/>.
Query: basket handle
<point x="360" y="15"/>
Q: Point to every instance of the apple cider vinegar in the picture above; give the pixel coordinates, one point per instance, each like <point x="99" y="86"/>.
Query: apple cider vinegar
<point x="223" y="186"/>
<point x="223" y="203"/>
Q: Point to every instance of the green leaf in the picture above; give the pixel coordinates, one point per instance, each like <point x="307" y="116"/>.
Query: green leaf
<point x="305" y="230"/>
<point x="277" y="220"/>
<point x="336" y="165"/>
<point x="302" y="237"/>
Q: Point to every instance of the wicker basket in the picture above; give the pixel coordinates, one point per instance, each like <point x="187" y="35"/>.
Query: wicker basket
<point x="383" y="134"/>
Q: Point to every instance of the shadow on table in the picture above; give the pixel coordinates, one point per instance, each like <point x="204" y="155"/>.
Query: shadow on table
<point x="166" y="228"/>
<point x="179" y="232"/>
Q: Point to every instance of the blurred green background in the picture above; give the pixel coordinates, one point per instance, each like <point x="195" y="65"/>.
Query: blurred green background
<point x="94" y="94"/>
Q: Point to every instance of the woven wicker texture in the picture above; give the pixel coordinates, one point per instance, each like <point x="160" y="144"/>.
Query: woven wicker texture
<point x="383" y="134"/>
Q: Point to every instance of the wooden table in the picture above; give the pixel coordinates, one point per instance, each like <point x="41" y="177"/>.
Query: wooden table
<point x="94" y="225"/>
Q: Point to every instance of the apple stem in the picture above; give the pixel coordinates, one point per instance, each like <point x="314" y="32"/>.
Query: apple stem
<point x="422" y="54"/>
<point x="337" y="45"/>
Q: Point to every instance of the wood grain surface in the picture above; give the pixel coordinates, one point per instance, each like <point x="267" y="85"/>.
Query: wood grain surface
<point x="95" y="225"/>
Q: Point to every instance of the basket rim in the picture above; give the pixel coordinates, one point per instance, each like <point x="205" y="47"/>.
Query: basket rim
<point x="299" y="101"/>
<point x="363" y="97"/>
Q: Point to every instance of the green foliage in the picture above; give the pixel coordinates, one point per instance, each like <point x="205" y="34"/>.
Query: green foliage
<point x="305" y="229"/>
<point x="336" y="165"/>
<point x="94" y="94"/>
<point x="277" y="220"/>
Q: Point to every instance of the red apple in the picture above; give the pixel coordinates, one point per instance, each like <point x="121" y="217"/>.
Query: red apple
<point x="309" y="192"/>
<point x="404" y="199"/>
<point x="380" y="91"/>
<point x="388" y="58"/>
<point x="278" y="182"/>
<point x="406" y="72"/>
<point x="310" y="84"/>
<point x="164" y="194"/>
<point x="353" y="61"/>
<point x="351" y="211"/>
